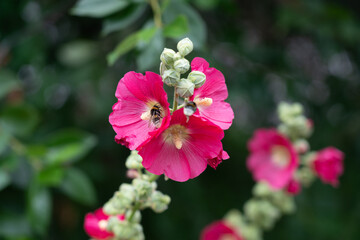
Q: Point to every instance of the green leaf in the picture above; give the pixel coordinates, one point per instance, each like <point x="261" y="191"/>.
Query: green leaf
<point x="149" y="57"/>
<point x="39" y="207"/>
<point x="14" y="226"/>
<point x="4" y="140"/>
<point x="197" y="27"/>
<point x="50" y="176"/>
<point x="8" y="82"/>
<point x="129" y="43"/>
<point x="19" y="120"/>
<point x="78" y="187"/>
<point x="98" y="8"/>
<point x="4" y="179"/>
<point x="68" y="145"/>
<point x="123" y="20"/>
<point x="177" y="28"/>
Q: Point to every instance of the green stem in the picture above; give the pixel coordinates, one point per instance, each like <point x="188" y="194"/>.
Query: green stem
<point x="134" y="209"/>
<point x="155" y="6"/>
<point x="175" y="103"/>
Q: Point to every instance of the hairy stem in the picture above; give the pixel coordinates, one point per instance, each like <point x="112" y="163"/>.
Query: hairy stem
<point x="155" y="6"/>
<point x="175" y="103"/>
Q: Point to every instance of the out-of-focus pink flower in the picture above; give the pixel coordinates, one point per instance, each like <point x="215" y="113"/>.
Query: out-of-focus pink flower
<point x="272" y="158"/>
<point x="142" y="109"/>
<point x="214" y="162"/>
<point x="210" y="97"/>
<point x="95" y="225"/>
<point x="328" y="164"/>
<point x="220" y="230"/>
<point x="294" y="187"/>
<point x="182" y="150"/>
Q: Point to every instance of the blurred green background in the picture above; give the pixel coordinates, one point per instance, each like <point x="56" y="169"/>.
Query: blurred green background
<point x="60" y="62"/>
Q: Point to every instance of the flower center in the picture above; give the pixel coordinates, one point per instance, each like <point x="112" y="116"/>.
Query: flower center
<point x="280" y="156"/>
<point x="176" y="134"/>
<point x="102" y="224"/>
<point x="203" y="102"/>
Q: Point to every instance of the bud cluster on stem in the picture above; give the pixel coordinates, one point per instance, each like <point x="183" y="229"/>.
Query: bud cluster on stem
<point x="173" y="65"/>
<point x="131" y="198"/>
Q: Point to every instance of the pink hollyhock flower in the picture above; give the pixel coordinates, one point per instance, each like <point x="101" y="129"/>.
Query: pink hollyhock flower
<point x="182" y="150"/>
<point x="328" y="164"/>
<point x="95" y="224"/>
<point x="210" y="97"/>
<point x="142" y="109"/>
<point x="214" y="162"/>
<point x="294" y="187"/>
<point x="272" y="158"/>
<point x="220" y="230"/>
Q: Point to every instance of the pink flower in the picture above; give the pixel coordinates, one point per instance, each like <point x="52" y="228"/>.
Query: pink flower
<point x="294" y="187"/>
<point x="272" y="158"/>
<point x="328" y="165"/>
<point x="214" y="162"/>
<point x="210" y="97"/>
<point x="142" y="109"/>
<point x="95" y="224"/>
<point x="182" y="150"/>
<point x="220" y="230"/>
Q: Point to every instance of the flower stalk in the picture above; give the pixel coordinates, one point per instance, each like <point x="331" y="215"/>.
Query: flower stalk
<point x="155" y="6"/>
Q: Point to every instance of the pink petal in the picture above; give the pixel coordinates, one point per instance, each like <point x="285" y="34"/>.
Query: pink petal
<point x="219" y="113"/>
<point x="204" y="142"/>
<point x="134" y="91"/>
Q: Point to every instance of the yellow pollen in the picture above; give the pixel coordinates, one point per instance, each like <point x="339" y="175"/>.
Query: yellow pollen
<point x="176" y="134"/>
<point x="205" y="102"/>
<point x="146" y="116"/>
<point x="280" y="156"/>
<point x="102" y="224"/>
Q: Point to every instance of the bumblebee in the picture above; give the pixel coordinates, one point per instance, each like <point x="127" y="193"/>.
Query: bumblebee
<point x="155" y="115"/>
<point x="190" y="108"/>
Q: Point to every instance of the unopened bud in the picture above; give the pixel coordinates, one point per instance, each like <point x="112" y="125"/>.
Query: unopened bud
<point x="301" y="146"/>
<point x="185" y="46"/>
<point x="197" y="77"/>
<point x="171" y="77"/>
<point x="134" y="161"/>
<point x="126" y="230"/>
<point x="185" y="88"/>
<point x="159" y="201"/>
<point x="142" y="187"/>
<point x="182" y="65"/>
<point x="167" y="56"/>
<point x="177" y="56"/>
<point x="135" y="218"/>
<point x="163" y="68"/>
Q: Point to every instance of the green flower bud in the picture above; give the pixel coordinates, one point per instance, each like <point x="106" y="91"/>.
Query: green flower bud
<point x="185" y="88"/>
<point x="167" y="56"/>
<point x="126" y="230"/>
<point x="159" y="202"/>
<point x="182" y="65"/>
<point x="143" y="188"/>
<point x="234" y="218"/>
<point x="171" y="77"/>
<point x="251" y="232"/>
<point x="177" y="56"/>
<point x="134" y="161"/>
<point x="262" y="189"/>
<point x="110" y="209"/>
<point x="128" y="190"/>
<point x="305" y="175"/>
<point x="163" y="68"/>
<point x="262" y="213"/>
<point x="197" y="77"/>
<point x="283" y="201"/>
<point x="185" y="46"/>
<point x="135" y="218"/>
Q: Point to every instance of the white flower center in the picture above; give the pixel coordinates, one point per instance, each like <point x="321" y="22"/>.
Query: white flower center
<point x="280" y="156"/>
<point x="176" y="134"/>
<point x="102" y="224"/>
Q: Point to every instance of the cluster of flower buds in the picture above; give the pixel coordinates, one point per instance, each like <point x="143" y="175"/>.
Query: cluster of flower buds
<point x="127" y="203"/>
<point x="281" y="163"/>
<point x="173" y="64"/>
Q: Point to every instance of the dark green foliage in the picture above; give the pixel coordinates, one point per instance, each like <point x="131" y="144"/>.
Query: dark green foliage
<point x="58" y="158"/>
